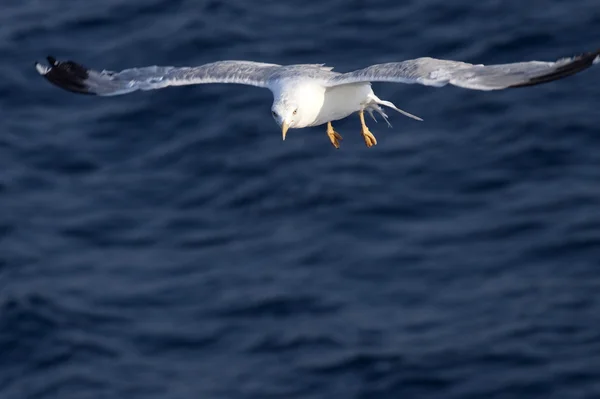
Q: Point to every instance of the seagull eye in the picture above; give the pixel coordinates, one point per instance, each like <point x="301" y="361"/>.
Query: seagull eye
<point x="295" y="111"/>
<point x="274" y="114"/>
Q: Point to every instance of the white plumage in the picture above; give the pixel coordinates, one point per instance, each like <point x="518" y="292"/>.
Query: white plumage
<point x="313" y="94"/>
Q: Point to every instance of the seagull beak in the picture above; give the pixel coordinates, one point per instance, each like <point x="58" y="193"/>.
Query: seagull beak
<point x="284" y="129"/>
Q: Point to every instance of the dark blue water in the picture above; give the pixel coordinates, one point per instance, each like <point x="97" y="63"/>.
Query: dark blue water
<point x="169" y="245"/>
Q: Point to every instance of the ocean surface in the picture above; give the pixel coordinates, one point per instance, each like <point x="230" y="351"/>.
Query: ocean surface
<point x="169" y="244"/>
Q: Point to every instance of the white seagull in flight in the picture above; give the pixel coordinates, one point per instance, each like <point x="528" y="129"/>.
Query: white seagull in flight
<point x="312" y="94"/>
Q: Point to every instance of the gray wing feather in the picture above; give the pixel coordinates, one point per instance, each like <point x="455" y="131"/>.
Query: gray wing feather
<point x="436" y="72"/>
<point x="77" y="78"/>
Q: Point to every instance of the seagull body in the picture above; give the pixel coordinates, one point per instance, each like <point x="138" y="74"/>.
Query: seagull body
<point x="313" y="94"/>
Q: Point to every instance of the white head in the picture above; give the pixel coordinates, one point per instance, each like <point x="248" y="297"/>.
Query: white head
<point x="286" y="115"/>
<point x="296" y="107"/>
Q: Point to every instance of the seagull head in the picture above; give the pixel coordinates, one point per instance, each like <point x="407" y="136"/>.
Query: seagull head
<point x="286" y="115"/>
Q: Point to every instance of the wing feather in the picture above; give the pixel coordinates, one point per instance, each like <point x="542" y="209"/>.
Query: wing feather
<point x="74" y="77"/>
<point x="436" y="72"/>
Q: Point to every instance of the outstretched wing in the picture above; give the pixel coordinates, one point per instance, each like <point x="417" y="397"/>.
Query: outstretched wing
<point x="79" y="79"/>
<point x="434" y="72"/>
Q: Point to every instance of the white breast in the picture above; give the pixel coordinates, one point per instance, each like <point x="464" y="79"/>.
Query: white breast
<point x="341" y="101"/>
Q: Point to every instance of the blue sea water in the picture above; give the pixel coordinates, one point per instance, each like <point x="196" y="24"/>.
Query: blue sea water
<point x="170" y="245"/>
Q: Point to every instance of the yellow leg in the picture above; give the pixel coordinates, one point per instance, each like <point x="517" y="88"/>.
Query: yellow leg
<point x="370" y="140"/>
<point x="334" y="136"/>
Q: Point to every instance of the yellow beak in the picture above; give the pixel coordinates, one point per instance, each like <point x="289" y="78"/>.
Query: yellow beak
<point x="284" y="129"/>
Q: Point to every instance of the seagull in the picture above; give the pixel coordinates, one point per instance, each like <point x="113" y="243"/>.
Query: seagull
<point x="313" y="94"/>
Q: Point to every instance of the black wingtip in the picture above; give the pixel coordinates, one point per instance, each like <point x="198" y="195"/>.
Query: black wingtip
<point x="575" y="65"/>
<point x="67" y="75"/>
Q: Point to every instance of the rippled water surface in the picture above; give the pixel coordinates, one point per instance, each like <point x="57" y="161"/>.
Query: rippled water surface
<point x="170" y="245"/>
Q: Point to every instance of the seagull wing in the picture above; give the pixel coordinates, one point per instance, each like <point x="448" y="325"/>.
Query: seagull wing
<point x="79" y="79"/>
<point x="435" y="72"/>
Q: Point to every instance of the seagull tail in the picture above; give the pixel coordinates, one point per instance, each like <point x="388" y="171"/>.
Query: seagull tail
<point x="391" y="105"/>
<point x="380" y="111"/>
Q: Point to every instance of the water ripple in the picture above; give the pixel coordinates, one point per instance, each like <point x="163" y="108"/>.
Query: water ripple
<point x="169" y="244"/>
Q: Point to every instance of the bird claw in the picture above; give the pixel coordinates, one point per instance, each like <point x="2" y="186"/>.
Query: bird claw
<point x="370" y="139"/>
<point x="334" y="137"/>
